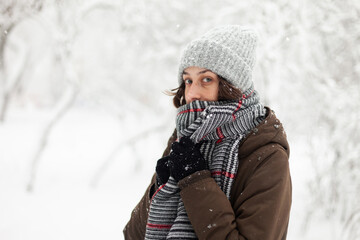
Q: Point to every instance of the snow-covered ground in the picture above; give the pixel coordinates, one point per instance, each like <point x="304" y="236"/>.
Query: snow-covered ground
<point x="65" y="204"/>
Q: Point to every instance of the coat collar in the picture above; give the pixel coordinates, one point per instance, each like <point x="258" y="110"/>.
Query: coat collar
<point x="269" y="131"/>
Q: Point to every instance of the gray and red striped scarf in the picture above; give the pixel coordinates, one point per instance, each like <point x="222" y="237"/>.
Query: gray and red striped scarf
<point x="221" y="126"/>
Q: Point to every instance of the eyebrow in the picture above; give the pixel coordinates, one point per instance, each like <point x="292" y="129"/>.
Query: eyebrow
<point x="201" y="72"/>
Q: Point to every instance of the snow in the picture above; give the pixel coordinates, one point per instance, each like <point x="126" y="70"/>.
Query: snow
<point x="64" y="205"/>
<point x="119" y="58"/>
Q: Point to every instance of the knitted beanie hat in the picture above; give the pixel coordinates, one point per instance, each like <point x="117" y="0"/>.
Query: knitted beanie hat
<point x="228" y="51"/>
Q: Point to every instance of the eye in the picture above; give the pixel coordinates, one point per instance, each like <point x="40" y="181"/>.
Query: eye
<point x="188" y="81"/>
<point x="206" y="80"/>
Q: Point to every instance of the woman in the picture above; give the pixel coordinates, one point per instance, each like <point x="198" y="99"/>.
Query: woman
<point x="225" y="172"/>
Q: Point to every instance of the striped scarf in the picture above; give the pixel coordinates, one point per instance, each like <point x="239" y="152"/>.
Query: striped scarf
<point x="220" y="126"/>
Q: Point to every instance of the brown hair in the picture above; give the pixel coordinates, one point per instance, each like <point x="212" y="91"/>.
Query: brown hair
<point x="226" y="92"/>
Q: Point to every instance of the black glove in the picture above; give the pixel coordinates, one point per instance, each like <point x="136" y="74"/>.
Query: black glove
<point x="162" y="171"/>
<point x="185" y="159"/>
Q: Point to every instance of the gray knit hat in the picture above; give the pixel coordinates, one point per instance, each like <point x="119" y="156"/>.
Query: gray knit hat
<point x="228" y="51"/>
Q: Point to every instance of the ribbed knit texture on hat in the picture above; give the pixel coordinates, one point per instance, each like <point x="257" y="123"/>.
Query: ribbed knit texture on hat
<point x="228" y="51"/>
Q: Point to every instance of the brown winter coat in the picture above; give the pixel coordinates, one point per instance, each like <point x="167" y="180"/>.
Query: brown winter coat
<point x="260" y="200"/>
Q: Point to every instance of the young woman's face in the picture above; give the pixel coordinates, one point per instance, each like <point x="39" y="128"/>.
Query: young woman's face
<point x="200" y="84"/>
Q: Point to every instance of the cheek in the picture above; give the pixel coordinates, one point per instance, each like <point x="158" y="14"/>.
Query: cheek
<point x="187" y="95"/>
<point x="186" y="91"/>
<point x="214" y="93"/>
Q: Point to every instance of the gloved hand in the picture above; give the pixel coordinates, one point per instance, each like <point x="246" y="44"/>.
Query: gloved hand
<point x="162" y="171"/>
<point x="185" y="159"/>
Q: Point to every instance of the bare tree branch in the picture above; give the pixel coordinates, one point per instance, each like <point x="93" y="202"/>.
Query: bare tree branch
<point x="14" y="80"/>
<point x="128" y="142"/>
<point x="63" y="107"/>
<point x="12" y="12"/>
<point x="64" y="53"/>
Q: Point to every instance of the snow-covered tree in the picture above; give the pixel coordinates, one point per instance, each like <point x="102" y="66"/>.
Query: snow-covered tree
<point x="118" y="57"/>
<point x="11" y="13"/>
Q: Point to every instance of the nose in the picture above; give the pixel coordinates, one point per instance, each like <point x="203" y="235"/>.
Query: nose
<point x="194" y="93"/>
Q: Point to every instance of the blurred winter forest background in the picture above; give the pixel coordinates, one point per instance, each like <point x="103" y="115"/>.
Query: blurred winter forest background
<point x="84" y="117"/>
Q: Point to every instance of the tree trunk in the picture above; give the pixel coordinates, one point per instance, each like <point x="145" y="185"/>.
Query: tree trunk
<point x="12" y="83"/>
<point x="63" y="107"/>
